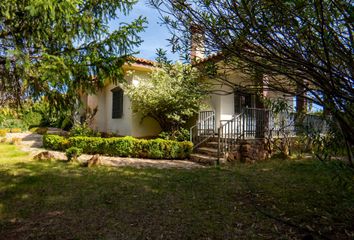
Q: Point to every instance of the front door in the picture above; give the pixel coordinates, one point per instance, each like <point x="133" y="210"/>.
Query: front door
<point x="243" y="100"/>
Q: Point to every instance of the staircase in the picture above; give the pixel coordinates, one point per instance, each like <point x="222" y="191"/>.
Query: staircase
<point x="207" y="153"/>
<point x="210" y="147"/>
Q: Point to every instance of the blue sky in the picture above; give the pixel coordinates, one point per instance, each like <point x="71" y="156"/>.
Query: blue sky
<point x="155" y="35"/>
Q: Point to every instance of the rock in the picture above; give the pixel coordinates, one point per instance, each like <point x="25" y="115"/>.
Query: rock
<point x="94" y="161"/>
<point x="44" y="156"/>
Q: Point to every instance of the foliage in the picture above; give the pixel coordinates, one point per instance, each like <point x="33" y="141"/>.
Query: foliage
<point x="3" y="133"/>
<point x="171" y="95"/>
<point x="56" y="48"/>
<point x="302" y="48"/>
<point x="16" y="130"/>
<point x="55" y="142"/>
<point x="73" y="153"/>
<point x="39" y="130"/>
<point x="31" y="118"/>
<point x="83" y="130"/>
<point x="181" y="134"/>
<point x="123" y="146"/>
<point x="34" y="114"/>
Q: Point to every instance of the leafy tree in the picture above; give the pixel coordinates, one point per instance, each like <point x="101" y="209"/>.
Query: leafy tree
<point x="171" y="95"/>
<point x="56" y="48"/>
<point x="309" y="42"/>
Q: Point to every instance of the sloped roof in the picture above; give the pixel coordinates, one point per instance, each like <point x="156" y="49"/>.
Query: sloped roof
<point x="213" y="57"/>
<point x="142" y="61"/>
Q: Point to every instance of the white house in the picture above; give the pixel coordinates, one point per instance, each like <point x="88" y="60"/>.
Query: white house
<point x="114" y="112"/>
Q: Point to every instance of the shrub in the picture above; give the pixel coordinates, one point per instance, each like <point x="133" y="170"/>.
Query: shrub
<point x="73" y="153"/>
<point x="39" y="130"/>
<point x="83" y="130"/>
<point x="3" y="132"/>
<point x="122" y="146"/>
<point x="179" y="135"/>
<point x="13" y="123"/>
<point x="16" y="130"/>
<point x="55" y="142"/>
<point x="32" y="118"/>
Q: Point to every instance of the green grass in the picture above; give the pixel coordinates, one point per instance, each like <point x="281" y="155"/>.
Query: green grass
<point x="268" y="200"/>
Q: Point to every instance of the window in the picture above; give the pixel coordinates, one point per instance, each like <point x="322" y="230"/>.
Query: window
<point x="117" y="103"/>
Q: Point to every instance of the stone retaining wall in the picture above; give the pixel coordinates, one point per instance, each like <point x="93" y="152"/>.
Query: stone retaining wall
<point x="249" y="151"/>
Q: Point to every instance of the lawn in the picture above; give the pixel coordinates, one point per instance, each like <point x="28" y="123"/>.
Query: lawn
<point x="269" y="200"/>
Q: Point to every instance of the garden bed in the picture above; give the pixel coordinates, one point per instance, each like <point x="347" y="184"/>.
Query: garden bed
<point x="122" y="146"/>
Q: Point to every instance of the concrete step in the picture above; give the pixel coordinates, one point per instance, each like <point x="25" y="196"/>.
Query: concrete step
<point x="204" y="159"/>
<point x="213" y="152"/>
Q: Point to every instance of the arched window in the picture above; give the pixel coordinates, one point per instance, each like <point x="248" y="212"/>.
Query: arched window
<point x="117" y="102"/>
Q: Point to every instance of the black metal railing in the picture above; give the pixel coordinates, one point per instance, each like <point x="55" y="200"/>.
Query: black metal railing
<point x="204" y="129"/>
<point x="253" y="123"/>
<point x="229" y="132"/>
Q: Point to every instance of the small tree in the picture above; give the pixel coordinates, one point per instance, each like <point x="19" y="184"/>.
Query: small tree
<point x="171" y="95"/>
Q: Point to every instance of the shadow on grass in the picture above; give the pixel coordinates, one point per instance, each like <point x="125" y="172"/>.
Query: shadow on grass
<point x="43" y="200"/>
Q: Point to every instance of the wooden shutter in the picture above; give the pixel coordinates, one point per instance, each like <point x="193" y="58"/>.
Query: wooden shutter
<point x="117" y="103"/>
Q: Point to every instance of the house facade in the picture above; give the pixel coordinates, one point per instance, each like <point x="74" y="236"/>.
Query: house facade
<point x="113" y="107"/>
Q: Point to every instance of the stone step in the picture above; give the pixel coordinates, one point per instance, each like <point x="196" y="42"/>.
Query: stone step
<point x="205" y="160"/>
<point x="213" y="152"/>
<point x="211" y="144"/>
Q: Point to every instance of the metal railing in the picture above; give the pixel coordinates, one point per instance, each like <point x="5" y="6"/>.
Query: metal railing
<point x="251" y="123"/>
<point x="229" y="132"/>
<point x="204" y="129"/>
<point x="254" y="123"/>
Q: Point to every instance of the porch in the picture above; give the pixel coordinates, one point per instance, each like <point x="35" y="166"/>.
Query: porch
<point x="250" y="124"/>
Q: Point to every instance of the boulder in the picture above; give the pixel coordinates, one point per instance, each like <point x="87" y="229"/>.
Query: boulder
<point x="44" y="156"/>
<point x="94" y="161"/>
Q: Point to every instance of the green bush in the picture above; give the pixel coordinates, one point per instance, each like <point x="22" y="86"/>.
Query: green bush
<point x="73" y="153"/>
<point x="179" y="135"/>
<point x="16" y="130"/>
<point x="13" y="123"/>
<point x="83" y="130"/>
<point x="32" y="119"/>
<point x="3" y="133"/>
<point x="39" y="130"/>
<point x="122" y="146"/>
<point x="55" y="142"/>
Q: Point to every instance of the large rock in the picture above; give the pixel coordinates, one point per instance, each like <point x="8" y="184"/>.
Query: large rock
<point x="44" y="156"/>
<point x="94" y="161"/>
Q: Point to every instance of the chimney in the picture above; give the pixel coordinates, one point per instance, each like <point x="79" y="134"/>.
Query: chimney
<point x="197" y="43"/>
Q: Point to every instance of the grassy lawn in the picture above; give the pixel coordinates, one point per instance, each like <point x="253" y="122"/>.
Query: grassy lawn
<point x="268" y="200"/>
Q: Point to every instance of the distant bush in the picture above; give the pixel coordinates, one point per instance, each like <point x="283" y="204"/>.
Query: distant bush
<point x="16" y="130"/>
<point x="13" y="123"/>
<point x="39" y="130"/>
<point x="3" y="133"/>
<point x="32" y="119"/>
<point x="83" y="130"/>
<point x="122" y="146"/>
<point x="73" y="153"/>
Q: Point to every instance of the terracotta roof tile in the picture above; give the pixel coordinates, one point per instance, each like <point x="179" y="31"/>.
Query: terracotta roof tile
<point x="142" y="61"/>
<point x="214" y="56"/>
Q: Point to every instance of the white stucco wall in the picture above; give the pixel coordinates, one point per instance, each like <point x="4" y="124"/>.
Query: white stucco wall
<point x="130" y="124"/>
<point x="223" y="105"/>
<point x="121" y="126"/>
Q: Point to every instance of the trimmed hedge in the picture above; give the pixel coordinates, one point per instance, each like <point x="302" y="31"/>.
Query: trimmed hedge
<point x="122" y="146"/>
